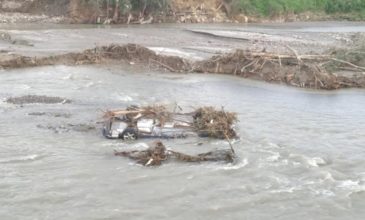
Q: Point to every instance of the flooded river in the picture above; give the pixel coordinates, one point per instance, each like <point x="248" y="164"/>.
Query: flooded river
<point x="181" y="39"/>
<point x="300" y="155"/>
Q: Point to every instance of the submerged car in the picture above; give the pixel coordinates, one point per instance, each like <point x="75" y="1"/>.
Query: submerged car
<point x="144" y="128"/>
<point x="157" y="122"/>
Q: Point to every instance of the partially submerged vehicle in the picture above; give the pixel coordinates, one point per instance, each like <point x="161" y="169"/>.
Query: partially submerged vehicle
<point x="123" y="127"/>
<point x="157" y="122"/>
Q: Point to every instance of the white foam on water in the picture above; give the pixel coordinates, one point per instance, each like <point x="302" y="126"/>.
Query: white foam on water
<point x="309" y="161"/>
<point x="285" y="190"/>
<point x="113" y="144"/>
<point x="24" y="87"/>
<point x="349" y="184"/>
<point x="329" y="177"/>
<point x="238" y="166"/>
<point x="69" y="77"/>
<point x="324" y="192"/>
<point x="20" y="159"/>
<point x="90" y="84"/>
<point x="121" y="35"/>
<point x="316" y="161"/>
<point x="274" y="158"/>
<point x="123" y="97"/>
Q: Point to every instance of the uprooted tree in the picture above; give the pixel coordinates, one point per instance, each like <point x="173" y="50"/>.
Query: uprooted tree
<point x="157" y="153"/>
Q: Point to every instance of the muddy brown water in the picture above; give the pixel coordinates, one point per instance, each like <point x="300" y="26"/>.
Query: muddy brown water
<point x="300" y="154"/>
<point x="177" y="39"/>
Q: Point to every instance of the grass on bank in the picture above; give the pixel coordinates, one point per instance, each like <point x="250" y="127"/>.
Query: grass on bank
<point x="264" y="8"/>
<point x="268" y="8"/>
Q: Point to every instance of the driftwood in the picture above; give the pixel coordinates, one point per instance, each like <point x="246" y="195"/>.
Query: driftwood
<point x="153" y="156"/>
<point x="157" y="153"/>
<point x="309" y="71"/>
<point x="349" y="64"/>
<point x="296" y="54"/>
<point x="213" y="123"/>
<point x="162" y="64"/>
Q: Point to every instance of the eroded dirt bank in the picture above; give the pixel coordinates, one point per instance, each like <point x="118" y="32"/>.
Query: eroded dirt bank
<point x="107" y="12"/>
<point x="146" y="12"/>
<point x="307" y="71"/>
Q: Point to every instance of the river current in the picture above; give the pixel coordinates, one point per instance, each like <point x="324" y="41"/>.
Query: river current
<point x="300" y="154"/>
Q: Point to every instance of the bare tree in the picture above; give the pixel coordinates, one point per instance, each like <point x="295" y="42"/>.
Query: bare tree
<point x="107" y="8"/>
<point x="116" y="10"/>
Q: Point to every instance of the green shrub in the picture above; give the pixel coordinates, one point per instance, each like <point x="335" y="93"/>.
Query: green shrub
<point x="344" y="6"/>
<point x="277" y="7"/>
<point x="151" y="5"/>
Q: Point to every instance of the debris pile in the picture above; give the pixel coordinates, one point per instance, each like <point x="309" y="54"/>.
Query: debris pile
<point x="306" y="71"/>
<point x="156" y="154"/>
<point x="354" y="55"/>
<point x="138" y="54"/>
<point x="212" y="123"/>
<point x="130" y="53"/>
<point x="133" y="113"/>
<point x="153" y="156"/>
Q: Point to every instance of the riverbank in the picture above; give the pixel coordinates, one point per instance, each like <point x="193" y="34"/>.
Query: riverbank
<point x="176" y="11"/>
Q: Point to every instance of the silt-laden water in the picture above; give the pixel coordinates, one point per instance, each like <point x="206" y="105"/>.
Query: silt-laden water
<point x="301" y="153"/>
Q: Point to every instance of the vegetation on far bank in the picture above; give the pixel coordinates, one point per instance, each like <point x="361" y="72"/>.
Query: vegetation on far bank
<point x="170" y="10"/>
<point x="278" y="7"/>
<point x="343" y="9"/>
